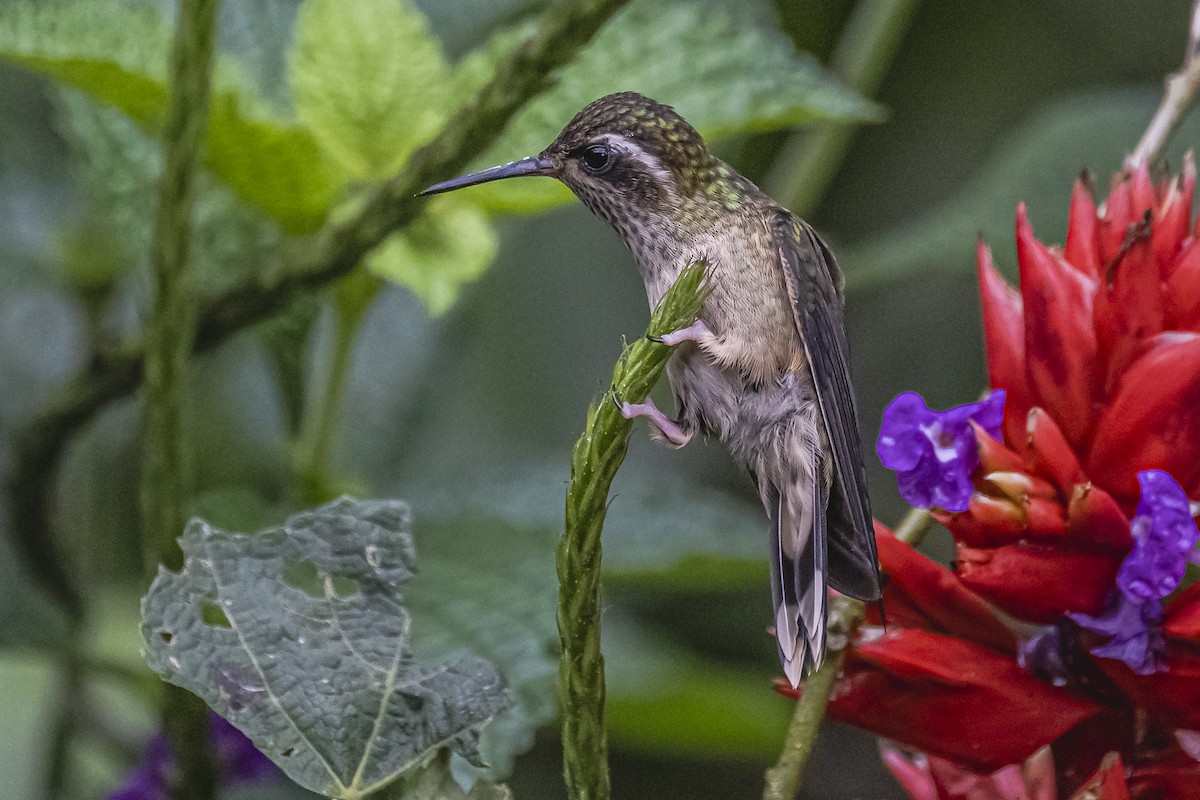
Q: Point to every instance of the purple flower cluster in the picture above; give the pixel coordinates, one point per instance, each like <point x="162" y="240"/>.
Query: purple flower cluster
<point x="934" y="452"/>
<point x="1164" y="535"/>
<point x="239" y="761"/>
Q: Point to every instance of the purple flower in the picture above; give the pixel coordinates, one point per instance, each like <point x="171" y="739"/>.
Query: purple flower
<point x="934" y="452"/>
<point x="1164" y="535"/>
<point x="238" y="759"/>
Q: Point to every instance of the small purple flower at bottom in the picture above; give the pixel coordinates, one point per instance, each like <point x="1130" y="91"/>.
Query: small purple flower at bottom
<point x="933" y="453"/>
<point x="1164" y="535"/>
<point x="238" y="760"/>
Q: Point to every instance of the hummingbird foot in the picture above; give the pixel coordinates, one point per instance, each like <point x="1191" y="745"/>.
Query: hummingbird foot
<point x="671" y="430"/>
<point x="696" y="332"/>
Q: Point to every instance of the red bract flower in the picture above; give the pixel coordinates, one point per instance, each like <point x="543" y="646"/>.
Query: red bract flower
<point x="1105" y="334"/>
<point x="1099" y="355"/>
<point x="1062" y="624"/>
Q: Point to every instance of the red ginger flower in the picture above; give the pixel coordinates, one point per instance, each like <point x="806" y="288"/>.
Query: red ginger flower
<point x="1099" y="356"/>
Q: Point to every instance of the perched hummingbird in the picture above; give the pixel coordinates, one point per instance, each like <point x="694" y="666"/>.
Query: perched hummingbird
<point x="765" y="368"/>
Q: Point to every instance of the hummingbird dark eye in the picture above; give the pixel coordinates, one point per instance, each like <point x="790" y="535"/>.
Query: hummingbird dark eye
<point x="596" y="158"/>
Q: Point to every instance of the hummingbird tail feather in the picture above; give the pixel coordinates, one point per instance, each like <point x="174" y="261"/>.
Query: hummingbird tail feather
<point x="799" y="573"/>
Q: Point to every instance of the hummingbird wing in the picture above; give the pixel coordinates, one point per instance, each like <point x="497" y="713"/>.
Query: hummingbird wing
<point x="813" y="283"/>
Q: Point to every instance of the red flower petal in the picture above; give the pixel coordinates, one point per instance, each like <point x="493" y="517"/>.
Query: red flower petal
<point x="1181" y="296"/>
<point x="915" y="778"/>
<point x="1170" y="697"/>
<point x="1173" y="218"/>
<point x="1039" y="583"/>
<point x="1128" y="306"/>
<point x="1047" y="519"/>
<point x="1004" y="340"/>
<point x="988" y="522"/>
<point x="994" y="456"/>
<point x="1118" y="216"/>
<point x="1141" y="190"/>
<point x="953" y="699"/>
<point x="1083" y="246"/>
<point x="1107" y="784"/>
<point x="1048" y="453"/>
<point x="1060" y="344"/>
<point x="1182" y="618"/>
<point x="1153" y="422"/>
<point x="1019" y="486"/>
<point x="1095" y="520"/>
<point x="1168" y="776"/>
<point x="923" y="594"/>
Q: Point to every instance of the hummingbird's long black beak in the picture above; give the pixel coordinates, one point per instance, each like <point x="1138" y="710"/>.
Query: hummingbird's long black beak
<point x="534" y="165"/>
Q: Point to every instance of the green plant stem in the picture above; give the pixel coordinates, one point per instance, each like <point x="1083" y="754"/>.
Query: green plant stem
<point x="169" y="335"/>
<point x="597" y="456"/>
<point x="352" y="299"/>
<point x="810" y="159"/>
<point x="783" y="780"/>
<point x="565" y="27"/>
<point x="62" y="730"/>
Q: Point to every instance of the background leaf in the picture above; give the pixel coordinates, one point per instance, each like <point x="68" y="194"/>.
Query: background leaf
<point x="368" y="80"/>
<point x="658" y="531"/>
<point x="298" y="636"/>
<point x="121" y="165"/>
<point x="451" y="243"/>
<point x="1039" y="159"/>
<point x="117" y="54"/>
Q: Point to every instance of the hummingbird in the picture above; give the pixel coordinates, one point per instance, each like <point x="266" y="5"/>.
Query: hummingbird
<point x="765" y="367"/>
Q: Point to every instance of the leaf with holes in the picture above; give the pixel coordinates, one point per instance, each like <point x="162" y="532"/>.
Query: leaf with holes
<point x="298" y="636"/>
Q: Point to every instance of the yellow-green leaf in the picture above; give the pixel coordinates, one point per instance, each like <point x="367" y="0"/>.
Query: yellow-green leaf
<point x="368" y="80"/>
<point x="449" y="245"/>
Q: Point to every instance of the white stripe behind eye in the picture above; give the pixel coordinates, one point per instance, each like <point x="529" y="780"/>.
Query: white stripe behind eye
<point x="631" y="149"/>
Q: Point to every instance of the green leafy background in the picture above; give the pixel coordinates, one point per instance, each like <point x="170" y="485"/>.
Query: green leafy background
<point x="471" y="370"/>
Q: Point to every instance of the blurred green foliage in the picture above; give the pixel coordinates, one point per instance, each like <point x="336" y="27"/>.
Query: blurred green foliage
<point x="469" y="375"/>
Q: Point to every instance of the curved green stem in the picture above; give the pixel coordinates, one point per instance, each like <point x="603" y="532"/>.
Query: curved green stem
<point x="810" y="159"/>
<point x="597" y="456"/>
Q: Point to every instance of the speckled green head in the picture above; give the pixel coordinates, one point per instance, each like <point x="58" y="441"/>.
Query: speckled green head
<point x="636" y="164"/>
<point x="635" y="131"/>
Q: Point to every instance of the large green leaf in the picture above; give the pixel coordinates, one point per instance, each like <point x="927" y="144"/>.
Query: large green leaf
<point x="724" y="68"/>
<point x="117" y="53"/>
<point x="298" y="635"/>
<point x="120" y="166"/>
<point x="368" y="80"/>
<point x="1038" y="163"/>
